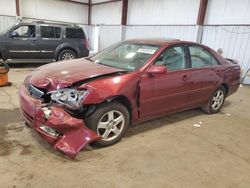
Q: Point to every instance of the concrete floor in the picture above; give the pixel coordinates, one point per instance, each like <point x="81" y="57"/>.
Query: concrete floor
<point x="166" y="152"/>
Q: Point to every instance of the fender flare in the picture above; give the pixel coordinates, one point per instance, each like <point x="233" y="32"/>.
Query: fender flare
<point x="66" y="46"/>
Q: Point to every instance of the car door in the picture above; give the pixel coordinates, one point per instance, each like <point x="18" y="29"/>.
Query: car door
<point x="204" y="75"/>
<point x="164" y="93"/>
<point x="50" y="38"/>
<point x="22" y="43"/>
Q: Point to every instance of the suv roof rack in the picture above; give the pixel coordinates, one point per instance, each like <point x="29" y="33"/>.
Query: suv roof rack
<point x="56" y="23"/>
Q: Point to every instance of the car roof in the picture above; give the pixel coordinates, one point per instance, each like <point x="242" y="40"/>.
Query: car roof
<point x="51" y="24"/>
<point x="164" y="42"/>
<point x="153" y="41"/>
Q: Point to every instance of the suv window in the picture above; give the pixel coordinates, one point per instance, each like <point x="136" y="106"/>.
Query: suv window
<point x="25" y="31"/>
<point x="173" y="58"/>
<point x="201" y="57"/>
<point x="75" y="33"/>
<point x="50" y="32"/>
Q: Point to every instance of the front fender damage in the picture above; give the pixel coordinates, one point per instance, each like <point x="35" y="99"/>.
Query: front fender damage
<point x="64" y="132"/>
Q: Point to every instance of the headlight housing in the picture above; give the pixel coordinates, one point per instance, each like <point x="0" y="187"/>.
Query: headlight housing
<point x="70" y="98"/>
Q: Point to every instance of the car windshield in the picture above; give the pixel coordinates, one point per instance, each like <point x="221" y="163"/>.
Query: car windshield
<point x="126" y="56"/>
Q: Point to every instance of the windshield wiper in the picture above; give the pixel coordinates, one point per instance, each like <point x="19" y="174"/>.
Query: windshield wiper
<point x="112" y="66"/>
<point x="105" y="65"/>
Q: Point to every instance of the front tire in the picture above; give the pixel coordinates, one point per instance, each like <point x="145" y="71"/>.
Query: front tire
<point x="67" y="55"/>
<point x="216" y="101"/>
<point x="110" y="121"/>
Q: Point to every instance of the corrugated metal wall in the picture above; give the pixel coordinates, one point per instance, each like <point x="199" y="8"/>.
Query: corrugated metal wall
<point x="107" y="13"/>
<point x="220" y="12"/>
<point x="170" y="31"/>
<point x="6" y="22"/>
<point x="109" y="34"/>
<point x="162" y="12"/>
<point x="234" y="40"/>
<point x="54" y="10"/>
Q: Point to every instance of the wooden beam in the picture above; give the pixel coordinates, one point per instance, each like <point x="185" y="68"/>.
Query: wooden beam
<point x="202" y="12"/>
<point x="124" y="12"/>
<point x="105" y="2"/>
<point x="17" y="8"/>
<point x="89" y="12"/>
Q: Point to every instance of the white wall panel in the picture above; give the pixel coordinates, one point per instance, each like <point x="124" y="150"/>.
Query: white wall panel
<point x="228" y="12"/>
<point x="234" y="40"/>
<point x="8" y="7"/>
<point x="177" y="32"/>
<point x="162" y="12"/>
<point x="6" y="22"/>
<point x="54" y="10"/>
<point x="109" y="13"/>
<point x="109" y="35"/>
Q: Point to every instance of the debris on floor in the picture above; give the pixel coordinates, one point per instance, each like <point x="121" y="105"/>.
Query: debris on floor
<point x="197" y="124"/>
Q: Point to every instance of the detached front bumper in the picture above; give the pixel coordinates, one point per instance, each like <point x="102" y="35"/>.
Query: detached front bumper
<point x="60" y="129"/>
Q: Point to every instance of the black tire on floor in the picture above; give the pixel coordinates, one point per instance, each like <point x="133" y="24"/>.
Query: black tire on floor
<point x="101" y="114"/>
<point x="208" y="108"/>
<point x="66" y="54"/>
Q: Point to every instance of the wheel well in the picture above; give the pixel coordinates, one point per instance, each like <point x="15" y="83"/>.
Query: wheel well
<point x="66" y="48"/>
<point x="225" y="87"/>
<point x="124" y="101"/>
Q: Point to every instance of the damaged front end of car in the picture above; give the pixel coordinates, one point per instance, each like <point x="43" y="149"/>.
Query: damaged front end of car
<point x="62" y="131"/>
<point x="57" y="116"/>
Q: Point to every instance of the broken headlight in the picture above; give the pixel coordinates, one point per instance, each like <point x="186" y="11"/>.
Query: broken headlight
<point x="70" y="98"/>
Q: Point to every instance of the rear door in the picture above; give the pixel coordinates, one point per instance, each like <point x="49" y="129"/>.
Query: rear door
<point x="22" y="42"/>
<point x="163" y="93"/>
<point x="205" y="75"/>
<point x="50" y="38"/>
<point x="77" y="39"/>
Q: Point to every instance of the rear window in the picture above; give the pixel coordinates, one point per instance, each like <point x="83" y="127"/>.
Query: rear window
<point x="75" y="33"/>
<point x="50" y="32"/>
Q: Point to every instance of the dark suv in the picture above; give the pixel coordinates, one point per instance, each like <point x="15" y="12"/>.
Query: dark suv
<point x="42" y="42"/>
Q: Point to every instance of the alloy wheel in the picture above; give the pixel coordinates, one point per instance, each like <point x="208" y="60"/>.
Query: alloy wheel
<point x="111" y="125"/>
<point x="68" y="56"/>
<point x="217" y="100"/>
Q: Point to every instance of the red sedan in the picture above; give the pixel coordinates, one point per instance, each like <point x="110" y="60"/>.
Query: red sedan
<point x="73" y="103"/>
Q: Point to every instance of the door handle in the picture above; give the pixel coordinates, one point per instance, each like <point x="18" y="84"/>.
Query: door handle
<point x="219" y="70"/>
<point x="184" y="77"/>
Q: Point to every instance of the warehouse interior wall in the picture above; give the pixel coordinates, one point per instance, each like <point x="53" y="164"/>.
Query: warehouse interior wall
<point x="226" y="25"/>
<point x="107" y="14"/>
<point x="170" y="12"/>
<point x="62" y="11"/>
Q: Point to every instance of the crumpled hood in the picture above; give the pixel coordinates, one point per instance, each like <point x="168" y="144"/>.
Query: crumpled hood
<point x="64" y="73"/>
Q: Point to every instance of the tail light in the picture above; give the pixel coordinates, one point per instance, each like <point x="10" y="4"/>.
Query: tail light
<point x="86" y="43"/>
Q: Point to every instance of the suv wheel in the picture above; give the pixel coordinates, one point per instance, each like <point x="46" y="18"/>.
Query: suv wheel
<point x="110" y="121"/>
<point x="67" y="55"/>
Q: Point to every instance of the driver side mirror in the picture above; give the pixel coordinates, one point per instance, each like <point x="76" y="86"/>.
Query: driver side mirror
<point x="14" y="34"/>
<point x="160" y="69"/>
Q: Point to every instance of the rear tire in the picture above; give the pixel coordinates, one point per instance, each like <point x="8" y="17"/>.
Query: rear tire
<point x="216" y="101"/>
<point x="67" y="54"/>
<point x="110" y="120"/>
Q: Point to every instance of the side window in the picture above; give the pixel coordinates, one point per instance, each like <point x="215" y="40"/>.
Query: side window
<point x="75" y="33"/>
<point x="50" y="32"/>
<point x="201" y="58"/>
<point x="173" y="58"/>
<point x="25" y="31"/>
